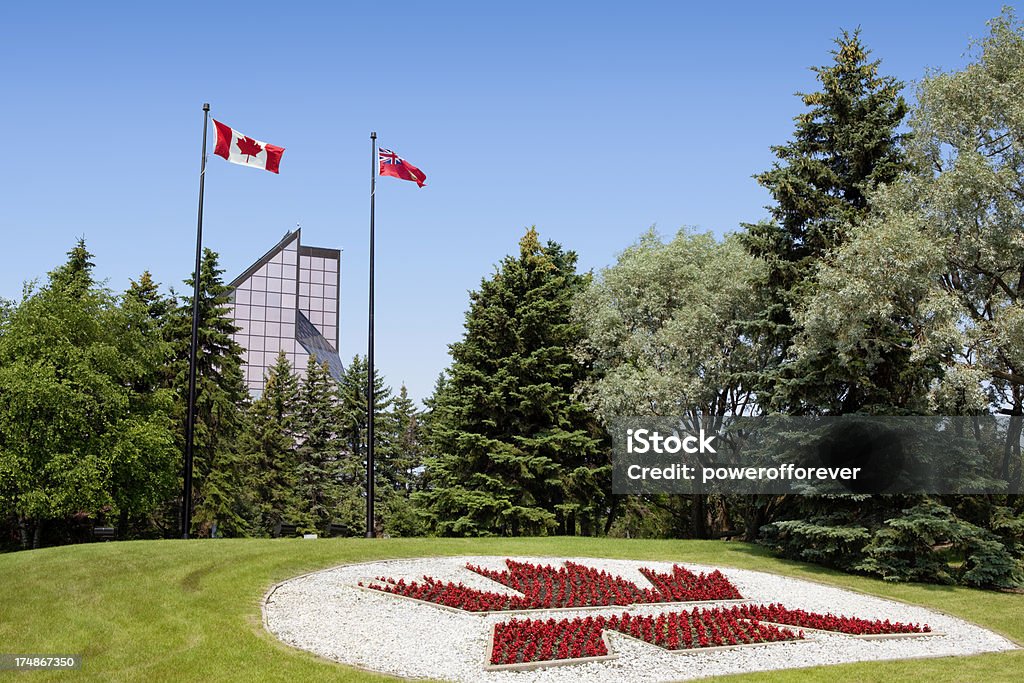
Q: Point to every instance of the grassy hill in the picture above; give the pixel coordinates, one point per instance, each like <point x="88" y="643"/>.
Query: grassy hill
<point x="189" y="610"/>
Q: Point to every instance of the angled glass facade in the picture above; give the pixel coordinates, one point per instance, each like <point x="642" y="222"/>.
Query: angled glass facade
<point x="288" y="300"/>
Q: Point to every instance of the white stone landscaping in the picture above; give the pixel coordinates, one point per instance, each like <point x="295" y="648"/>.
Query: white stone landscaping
<point x="327" y="613"/>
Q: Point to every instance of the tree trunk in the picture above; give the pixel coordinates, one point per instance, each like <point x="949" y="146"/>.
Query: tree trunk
<point x="122" y="525"/>
<point x="37" y="535"/>
<point x="753" y="521"/>
<point x="698" y="517"/>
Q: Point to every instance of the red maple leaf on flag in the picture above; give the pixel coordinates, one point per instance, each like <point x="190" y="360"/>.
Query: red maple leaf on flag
<point x="248" y="146"/>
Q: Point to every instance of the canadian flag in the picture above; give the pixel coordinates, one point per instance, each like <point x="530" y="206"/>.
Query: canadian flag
<point x="242" y="149"/>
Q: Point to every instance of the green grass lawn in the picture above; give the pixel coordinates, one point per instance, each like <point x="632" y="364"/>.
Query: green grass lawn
<point x="189" y="610"/>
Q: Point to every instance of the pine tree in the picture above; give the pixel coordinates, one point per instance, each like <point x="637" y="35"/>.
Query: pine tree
<point x="511" y="442"/>
<point x="270" y="445"/>
<point x="845" y="145"/>
<point x="220" y="487"/>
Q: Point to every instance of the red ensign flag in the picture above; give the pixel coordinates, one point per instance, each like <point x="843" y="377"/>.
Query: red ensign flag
<point x="393" y="165"/>
<point x="242" y="149"/>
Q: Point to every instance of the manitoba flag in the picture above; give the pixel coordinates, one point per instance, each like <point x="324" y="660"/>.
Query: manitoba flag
<point x="242" y="149"/>
<point x="393" y="165"/>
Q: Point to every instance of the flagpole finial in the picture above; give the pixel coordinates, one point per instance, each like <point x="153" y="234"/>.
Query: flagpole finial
<point x="373" y="135"/>
<point x="206" y="106"/>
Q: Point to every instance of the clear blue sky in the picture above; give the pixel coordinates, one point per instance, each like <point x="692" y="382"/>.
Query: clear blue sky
<point x="590" y="120"/>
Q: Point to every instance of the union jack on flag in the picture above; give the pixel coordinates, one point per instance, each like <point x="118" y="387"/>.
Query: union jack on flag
<point x="393" y="165"/>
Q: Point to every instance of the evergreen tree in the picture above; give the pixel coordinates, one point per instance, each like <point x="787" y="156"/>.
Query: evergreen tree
<point x="510" y="439"/>
<point x="269" y="444"/>
<point x="221" y="491"/>
<point x="405" y="455"/>
<point x="146" y="293"/>
<point x="353" y="426"/>
<point x="845" y="145"/>
<point x="74" y="277"/>
<point x="399" y="467"/>
<point x="318" y="473"/>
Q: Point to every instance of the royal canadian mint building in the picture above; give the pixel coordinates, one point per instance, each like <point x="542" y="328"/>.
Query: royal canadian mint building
<point x="288" y="300"/>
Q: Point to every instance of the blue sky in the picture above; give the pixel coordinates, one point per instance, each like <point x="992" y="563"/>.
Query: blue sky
<point x="591" y="120"/>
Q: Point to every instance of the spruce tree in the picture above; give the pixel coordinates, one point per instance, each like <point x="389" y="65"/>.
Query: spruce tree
<point x="399" y="466"/>
<point x="353" y="428"/>
<point x="845" y="145"/>
<point x="146" y="293"/>
<point x="269" y="445"/>
<point x="510" y="440"/>
<point x="220" y="487"/>
<point x="319" y="455"/>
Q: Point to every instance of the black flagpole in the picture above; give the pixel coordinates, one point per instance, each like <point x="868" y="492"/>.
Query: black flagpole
<point x="190" y="420"/>
<point x="370" y="400"/>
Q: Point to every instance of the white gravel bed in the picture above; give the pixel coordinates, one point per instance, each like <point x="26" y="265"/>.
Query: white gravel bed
<point x="327" y="614"/>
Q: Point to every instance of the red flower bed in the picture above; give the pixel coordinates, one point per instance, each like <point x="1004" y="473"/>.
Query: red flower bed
<point x="534" y="640"/>
<point x="450" y="595"/>
<point x="684" y="585"/>
<point x="825" y="622"/>
<point x="518" y="642"/>
<point x="574" y="585"/>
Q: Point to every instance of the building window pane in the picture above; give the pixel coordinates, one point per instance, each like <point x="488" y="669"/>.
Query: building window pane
<point x="259" y="298"/>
